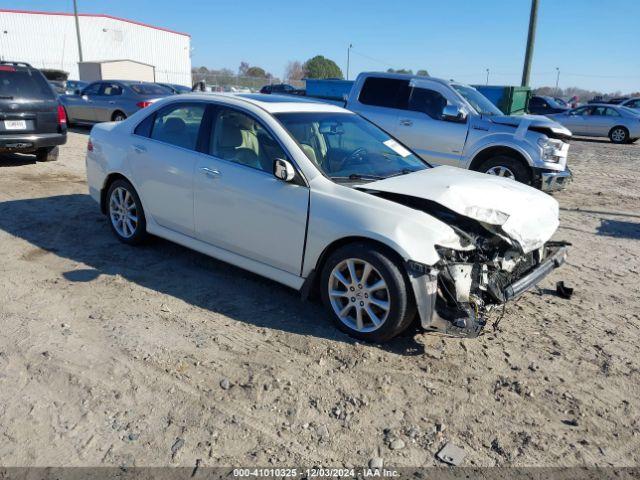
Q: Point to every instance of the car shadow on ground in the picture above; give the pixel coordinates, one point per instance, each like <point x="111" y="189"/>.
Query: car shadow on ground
<point x="16" y="159"/>
<point x="72" y="227"/>
<point x="81" y="129"/>
<point x="619" y="229"/>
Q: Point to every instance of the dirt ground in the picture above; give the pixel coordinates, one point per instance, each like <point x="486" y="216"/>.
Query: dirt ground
<point x="114" y="355"/>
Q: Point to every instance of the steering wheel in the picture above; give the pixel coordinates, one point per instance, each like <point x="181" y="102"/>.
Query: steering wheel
<point x="357" y="157"/>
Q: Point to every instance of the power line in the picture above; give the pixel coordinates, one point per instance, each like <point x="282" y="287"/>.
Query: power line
<point x="373" y="59"/>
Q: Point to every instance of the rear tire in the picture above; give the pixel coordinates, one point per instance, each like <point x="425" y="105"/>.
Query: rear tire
<point x="619" y="135"/>
<point x="373" y="304"/>
<point x="507" y="166"/>
<point x="47" y="154"/>
<point x="118" y="116"/>
<point x="125" y="213"/>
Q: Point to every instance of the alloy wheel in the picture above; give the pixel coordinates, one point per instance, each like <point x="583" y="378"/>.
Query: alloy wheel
<point x="501" y="171"/>
<point x="618" y="135"/>
<point x="123" y="212"/>
<point x="359" y="295"/>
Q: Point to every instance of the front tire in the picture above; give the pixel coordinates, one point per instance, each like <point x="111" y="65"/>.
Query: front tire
<point x="619" y="135"/>
<point x="507" y="167"/>
<point x="367" y="293"/>
<point x="125" y="212"/>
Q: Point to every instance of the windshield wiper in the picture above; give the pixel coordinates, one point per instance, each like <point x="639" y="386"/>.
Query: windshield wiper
<point x="359" y="176"/>
<point x="404" y="171"/>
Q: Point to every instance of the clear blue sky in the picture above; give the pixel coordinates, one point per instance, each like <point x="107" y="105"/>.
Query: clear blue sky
<point x="595" y="43"/>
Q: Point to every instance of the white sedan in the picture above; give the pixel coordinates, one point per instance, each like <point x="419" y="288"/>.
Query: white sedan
<point x="317" y="198"/>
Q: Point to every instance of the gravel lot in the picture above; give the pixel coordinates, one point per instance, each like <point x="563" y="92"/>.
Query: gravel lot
<point x="113" y="355"/>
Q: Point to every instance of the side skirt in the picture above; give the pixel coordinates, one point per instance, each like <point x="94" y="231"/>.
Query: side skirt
<point x="280" y="276"/>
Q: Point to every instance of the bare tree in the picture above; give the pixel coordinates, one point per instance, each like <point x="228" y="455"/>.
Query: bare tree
<point x="294" y="71"/>
<point x="242" y="69"/>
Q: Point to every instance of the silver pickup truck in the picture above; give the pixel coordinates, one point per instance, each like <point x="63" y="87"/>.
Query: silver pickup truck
<point x="449" y="123"/>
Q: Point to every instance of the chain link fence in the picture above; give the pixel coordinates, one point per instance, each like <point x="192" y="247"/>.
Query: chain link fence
<point x="237" y="83"/>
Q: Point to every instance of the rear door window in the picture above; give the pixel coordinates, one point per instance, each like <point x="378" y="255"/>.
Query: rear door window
<point x="16" y="83"/>
<point x="385" y="92"/>
<point x="179" y="124"/>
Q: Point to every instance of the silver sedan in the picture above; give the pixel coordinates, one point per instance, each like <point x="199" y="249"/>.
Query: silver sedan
<point x="111" y="100"/>
<point x="620" y="124"/>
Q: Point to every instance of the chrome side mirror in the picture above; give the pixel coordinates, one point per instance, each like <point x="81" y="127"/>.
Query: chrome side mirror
<point x="283" y="170"/>
<point x="454" y="113"/>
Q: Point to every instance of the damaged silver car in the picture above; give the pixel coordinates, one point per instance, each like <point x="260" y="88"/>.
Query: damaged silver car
<point x="319" y="199"/>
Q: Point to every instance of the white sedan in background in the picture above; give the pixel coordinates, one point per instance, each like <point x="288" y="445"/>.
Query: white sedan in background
<point x="319" y="199"/>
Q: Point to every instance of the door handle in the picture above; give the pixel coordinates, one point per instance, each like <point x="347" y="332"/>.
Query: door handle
<point x="112" y="102"/>
<point x="139" y="149"/>
<point x="211" y="173"/>
<point x="406" y="122"/>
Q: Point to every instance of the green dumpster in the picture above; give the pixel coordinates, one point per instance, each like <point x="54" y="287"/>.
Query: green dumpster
<point x="509" y="99"/>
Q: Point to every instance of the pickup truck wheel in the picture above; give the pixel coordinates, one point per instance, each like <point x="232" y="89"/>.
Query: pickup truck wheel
<point x="47" y="154"/>
<point x="507" y="167"/>
<point x="366" y="293"/>
<point x="125" y="212"/>
<point x="619" y="135"/>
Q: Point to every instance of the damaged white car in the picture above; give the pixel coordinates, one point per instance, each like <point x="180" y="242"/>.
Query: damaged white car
<point x="321" y="200"/>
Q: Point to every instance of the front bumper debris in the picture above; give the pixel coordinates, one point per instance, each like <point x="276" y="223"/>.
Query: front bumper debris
<point x="534" y="277"/>
<point x="551" y="181"/>
<point x="467" y="319"/>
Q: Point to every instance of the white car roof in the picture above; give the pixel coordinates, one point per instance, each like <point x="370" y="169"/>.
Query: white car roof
<point x="275" y="103"/>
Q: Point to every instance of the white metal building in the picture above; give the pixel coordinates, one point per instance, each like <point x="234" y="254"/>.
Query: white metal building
<point x="48" y="40"/>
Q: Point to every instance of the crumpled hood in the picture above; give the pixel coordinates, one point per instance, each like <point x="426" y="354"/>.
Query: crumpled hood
<point x="527" y="216"/>
<point x="526" y="121"/>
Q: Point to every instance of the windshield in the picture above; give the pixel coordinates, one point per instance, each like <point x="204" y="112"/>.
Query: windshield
<point x="479" y="102"/>
<point x="554" y="102"/>
<point x="346" y="147"/>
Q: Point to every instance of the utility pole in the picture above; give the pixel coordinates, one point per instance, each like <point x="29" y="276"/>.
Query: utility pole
<point x="531" y="38"/>
<point x="487" y="76"/>
<point x="75" y="14"/>
<point x="557" y="78"/>
<point x="348" y="58"/>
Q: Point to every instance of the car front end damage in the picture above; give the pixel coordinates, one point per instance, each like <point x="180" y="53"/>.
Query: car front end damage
<point x="457" y="295"/>
<point x="504" y="247"/>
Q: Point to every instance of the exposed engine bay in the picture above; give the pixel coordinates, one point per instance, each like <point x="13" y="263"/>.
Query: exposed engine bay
<point x="456" y="295"/>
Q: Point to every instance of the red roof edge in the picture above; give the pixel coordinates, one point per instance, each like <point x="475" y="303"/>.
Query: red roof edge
<point x="101" y="15"/>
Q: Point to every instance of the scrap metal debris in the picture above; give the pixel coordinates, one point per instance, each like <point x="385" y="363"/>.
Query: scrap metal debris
<point x="563" y="291"/>
<point x="451" y="454"/>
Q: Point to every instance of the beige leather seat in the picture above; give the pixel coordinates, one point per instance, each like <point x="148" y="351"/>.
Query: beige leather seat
<point x="234" y="143"/>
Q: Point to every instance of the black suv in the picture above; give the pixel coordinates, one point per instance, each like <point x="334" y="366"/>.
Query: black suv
<point x="543" y="105"/>
<point x="31" y="118"/>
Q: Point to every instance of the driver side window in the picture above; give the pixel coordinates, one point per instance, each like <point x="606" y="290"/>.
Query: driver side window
<point x="239" y="138"/>
<point x="92" y="89"/>
<point x="427" y="101"/>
